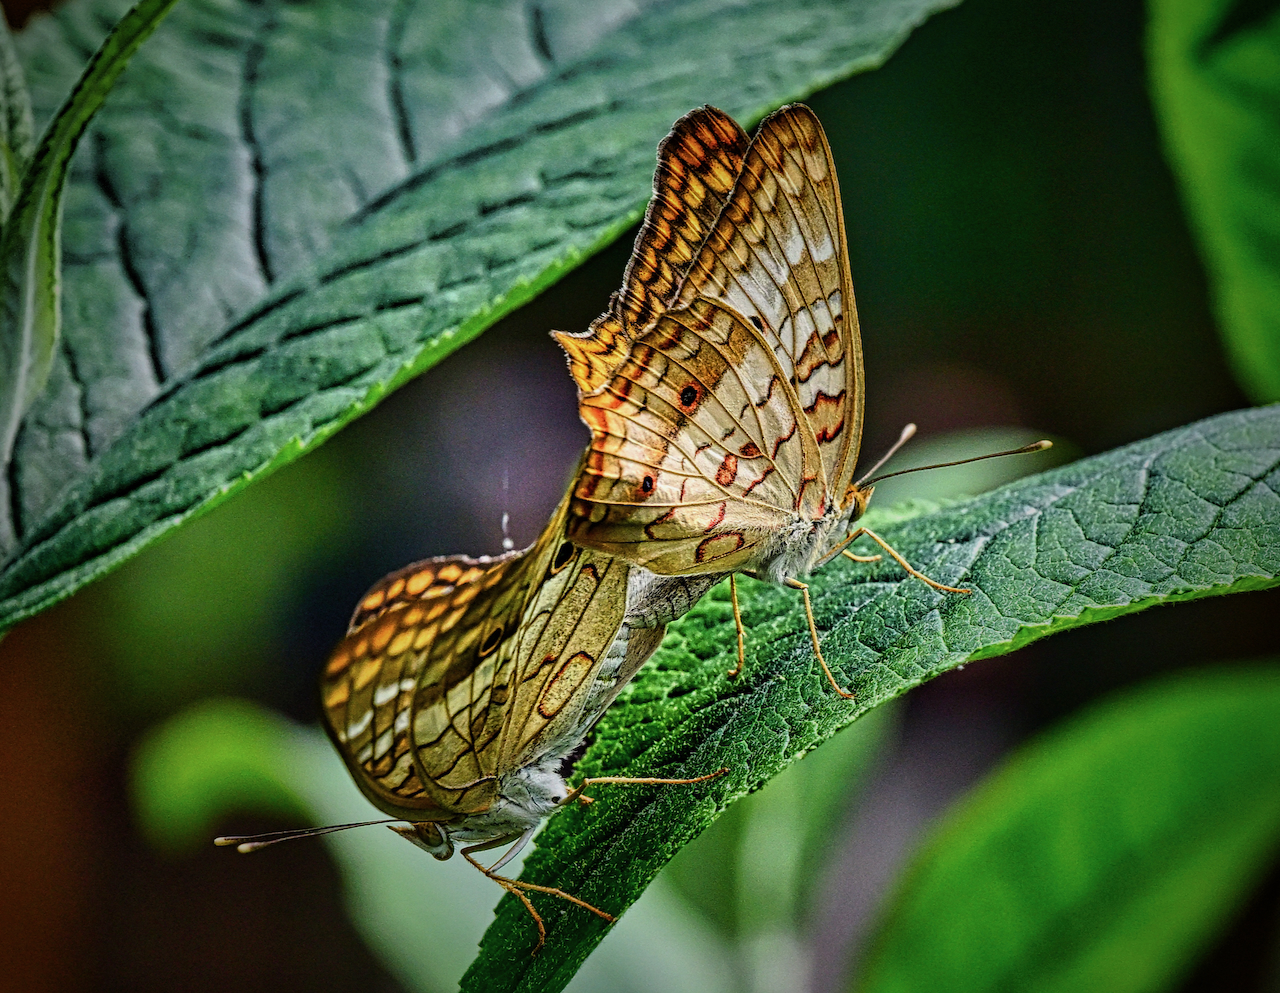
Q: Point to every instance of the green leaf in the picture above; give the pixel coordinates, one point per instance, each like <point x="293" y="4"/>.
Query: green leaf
<point x="1190" y="513"/>
<point x="221" y="755"/>
<point x="269" y="240"/>
<point x="31" y="245"/>
<point x="1104" y="856"/>
<point x="17" y="132"/>
<point x="1215" y="75"/>
<point x="753" y="870"/>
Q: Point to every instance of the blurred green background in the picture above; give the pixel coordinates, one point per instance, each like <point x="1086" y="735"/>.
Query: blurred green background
<point x="1023" y="267"/>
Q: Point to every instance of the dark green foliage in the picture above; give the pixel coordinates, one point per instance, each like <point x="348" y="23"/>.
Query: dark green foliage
<point x="33" y="181"/>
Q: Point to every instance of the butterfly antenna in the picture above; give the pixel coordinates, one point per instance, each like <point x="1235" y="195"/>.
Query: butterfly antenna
<point x="908" y="433"/>
<point x="1035" y="446"/>
<point x="252" y="842"/>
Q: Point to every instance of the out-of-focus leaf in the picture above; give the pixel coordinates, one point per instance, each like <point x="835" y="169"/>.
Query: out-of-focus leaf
<point x="754" y="868"/>
<point x="1102" y="857"/>
<point x="31" y="245"/>
<point x="220" y="756"/>
<point x="1215" y="73"/>
<point x="293" y="209"/>
<point x="1189" y="513"/>
<point x="193" y="773"/>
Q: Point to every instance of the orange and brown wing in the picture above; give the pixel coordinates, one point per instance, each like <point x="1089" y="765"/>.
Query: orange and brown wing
<point x="410" y="696"/>
<point x="428" y="578"/>
<point x="696" y="458"/>
<point x="698" y="163"/>
<point x="741" y="409"/>
<point x="778" y="258"/>
<point x="572" y="655"/>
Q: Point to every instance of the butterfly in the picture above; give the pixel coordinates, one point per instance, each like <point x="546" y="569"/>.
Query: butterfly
<point x="463" y="688"/>
<point x="724" y="385"/>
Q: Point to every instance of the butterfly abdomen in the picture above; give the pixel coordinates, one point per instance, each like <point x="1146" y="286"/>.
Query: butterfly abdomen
<point x="654" y="600"/>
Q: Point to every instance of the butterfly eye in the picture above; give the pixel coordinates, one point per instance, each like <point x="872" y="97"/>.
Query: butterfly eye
<point x="688" y="396"/>
<point x="647" y="485"/>
<point x="491" y="641"/>
<point x="563" y="554"/>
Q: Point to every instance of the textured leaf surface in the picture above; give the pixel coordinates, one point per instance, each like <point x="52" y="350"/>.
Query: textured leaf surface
<point x="30" y="249"/>
<point x="264" y="240"/>
<point x="1189" y="513"/>
<point x="1103" y="857"/>
<point x="1215" y="69"/>
<point x="16" y="127"/>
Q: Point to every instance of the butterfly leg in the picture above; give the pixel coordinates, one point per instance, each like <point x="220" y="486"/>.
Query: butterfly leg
<point x="516" y="887"/>
<point x="903" y="562"/>
<point x="737" y="623"/>
<point x="840" y="549"/>
<point x="634" y="781"/>
<point x="795" y="584"/>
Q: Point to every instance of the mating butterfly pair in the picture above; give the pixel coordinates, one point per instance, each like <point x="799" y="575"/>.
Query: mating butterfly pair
<point x="724" y="392"/>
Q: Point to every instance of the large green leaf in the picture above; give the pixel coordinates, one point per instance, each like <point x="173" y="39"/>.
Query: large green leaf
<point x="31" y="245"/>
<point x="1103" y="857"/>
<point x="1215" y="71"/>
<point x="290" y="210"/>
<point x="1190" y="513"/>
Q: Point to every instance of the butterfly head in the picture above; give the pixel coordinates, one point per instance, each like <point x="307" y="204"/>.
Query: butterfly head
<point x="427" y="835"/>
<point x="855" y="500"/>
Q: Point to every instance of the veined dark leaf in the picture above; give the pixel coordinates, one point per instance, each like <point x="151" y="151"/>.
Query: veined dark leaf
<point x="1190" y="513"/>
<point x="257" y="260"/>
<point x="30" y="248"/>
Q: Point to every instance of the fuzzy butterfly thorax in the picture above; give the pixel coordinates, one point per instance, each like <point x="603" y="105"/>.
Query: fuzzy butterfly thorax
<point x="726" y="409"/>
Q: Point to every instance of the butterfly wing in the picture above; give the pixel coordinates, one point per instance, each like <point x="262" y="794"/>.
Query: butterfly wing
<point x="779" y="258"/>
<point x="425" y="580"/>
<point x="698" y="163"/>
<point x="570" y="658"/>
<point x="414" y="695"/>
<point x="694" y="462"/>
<point x="740" y="411"/>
